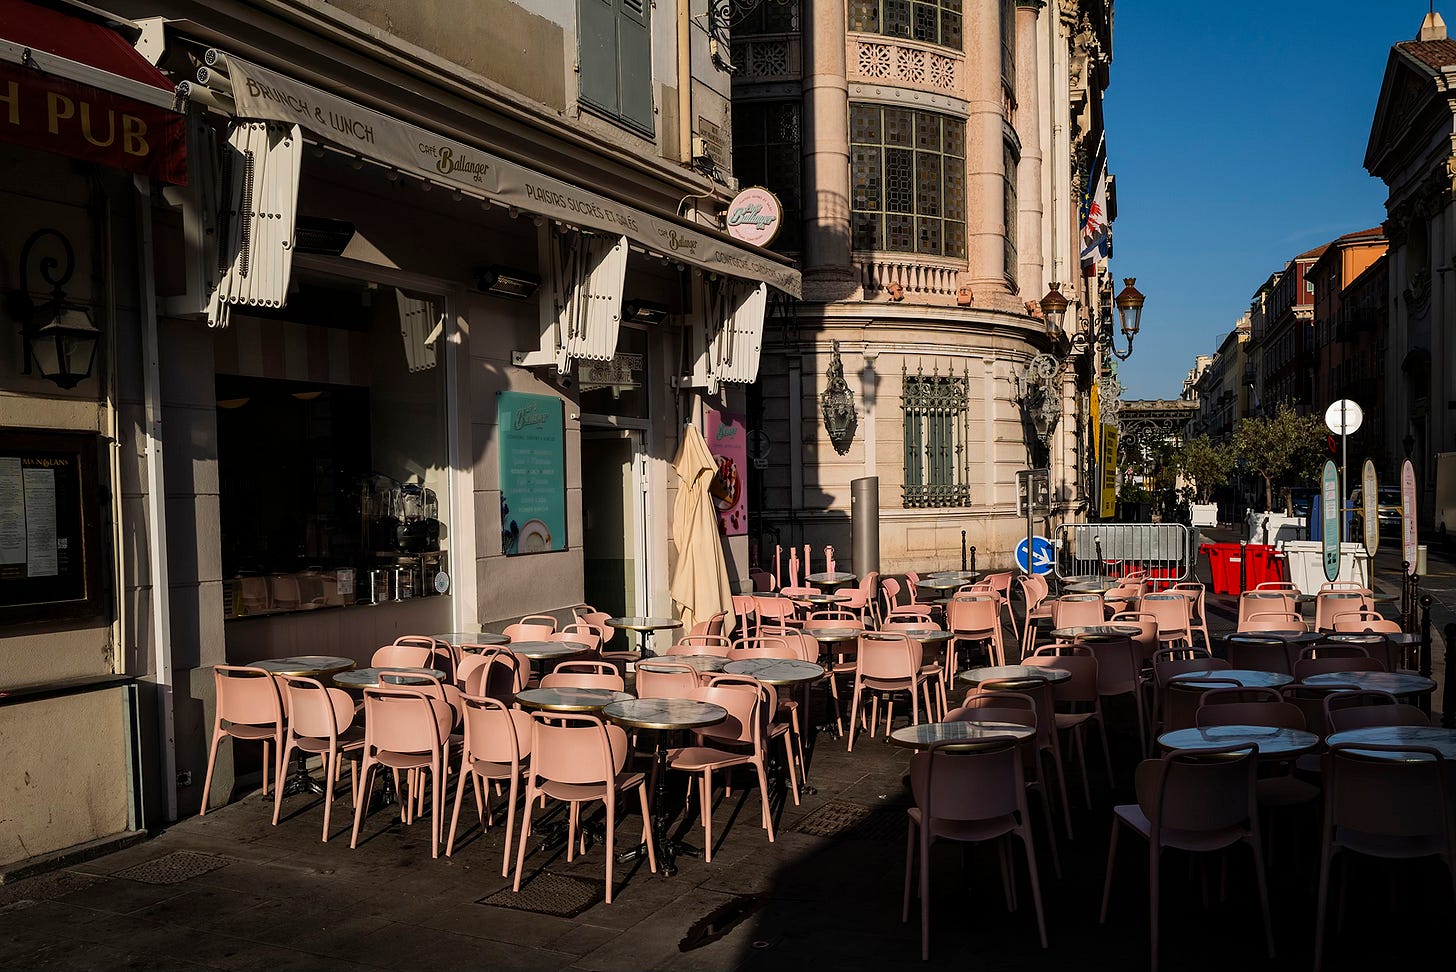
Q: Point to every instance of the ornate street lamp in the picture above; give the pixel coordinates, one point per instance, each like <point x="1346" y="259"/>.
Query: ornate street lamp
<point x="1054" y="310"/>
<point x="837" y="403"/>
<point x="60" y="340"/>
<point x="1130" y="312"/>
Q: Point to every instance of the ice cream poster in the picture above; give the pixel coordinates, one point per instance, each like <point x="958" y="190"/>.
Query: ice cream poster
<point x="532" y="472"/>
<point x="728" y="442"/>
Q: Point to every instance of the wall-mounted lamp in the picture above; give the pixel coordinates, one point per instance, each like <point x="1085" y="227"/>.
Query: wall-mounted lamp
<point x="837" y="403"/>
<point x="505" y="282"/>
<point x="60" y="340"/>
<point x="1053" y="310"/>
<point x="644" y="311"/>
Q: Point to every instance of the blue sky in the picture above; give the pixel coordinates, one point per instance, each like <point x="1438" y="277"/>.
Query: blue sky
<point x="1236" y="132"/>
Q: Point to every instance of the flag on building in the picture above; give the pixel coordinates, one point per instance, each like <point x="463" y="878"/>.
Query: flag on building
<point x="1096" y="227"/>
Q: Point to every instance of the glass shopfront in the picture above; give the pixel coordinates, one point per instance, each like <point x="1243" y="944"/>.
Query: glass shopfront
<point x="332" y="449"/>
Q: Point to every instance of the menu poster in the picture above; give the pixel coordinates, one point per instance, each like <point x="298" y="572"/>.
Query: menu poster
<point x="728" y="442"/>
<point x="532" y="443"/>
<point x="49" y="548"/>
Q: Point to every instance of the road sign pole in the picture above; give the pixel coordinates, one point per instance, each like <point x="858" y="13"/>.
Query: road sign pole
<point x="1344" y="474"/>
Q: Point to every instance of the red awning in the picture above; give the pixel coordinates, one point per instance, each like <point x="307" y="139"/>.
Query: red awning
<point x="78" y="88"/>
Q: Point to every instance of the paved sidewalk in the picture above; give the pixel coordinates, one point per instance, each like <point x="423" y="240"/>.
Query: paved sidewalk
<point x="229" y="891"/>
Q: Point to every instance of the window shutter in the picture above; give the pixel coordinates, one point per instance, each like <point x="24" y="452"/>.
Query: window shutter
<point x="634" y="49"/>
<point x="596" y="40"/>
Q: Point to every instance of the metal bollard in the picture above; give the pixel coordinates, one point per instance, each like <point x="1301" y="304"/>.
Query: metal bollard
<point x="963" y="550"/>
<point x="1448" y="698"/>
<point x="1424" y="662"/>
<point x="973" y="556"/>
<point x="1243" y="566"/>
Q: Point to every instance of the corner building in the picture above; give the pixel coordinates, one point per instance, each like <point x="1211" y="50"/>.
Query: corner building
<point x="933" y="159"/>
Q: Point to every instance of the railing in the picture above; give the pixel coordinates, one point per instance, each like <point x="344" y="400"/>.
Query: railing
<point x="876" y="59"/>
<point x="1164" y="551"/>
<point x="768" y="57"/>
<point x="923" y="282"/>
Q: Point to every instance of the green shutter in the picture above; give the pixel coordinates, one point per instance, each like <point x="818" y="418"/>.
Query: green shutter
<point x="596" y="40"/>
<point x="634" y="62"/>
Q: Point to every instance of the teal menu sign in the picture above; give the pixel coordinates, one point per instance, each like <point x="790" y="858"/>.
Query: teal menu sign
<point x="532" y="473"/>
<point x="1331" y="497"/>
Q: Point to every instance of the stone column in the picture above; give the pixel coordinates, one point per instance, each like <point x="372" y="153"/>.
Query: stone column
<point x="985" y="163"/>
<point x="828" y="270"/>
<point x="1029" y="218"/>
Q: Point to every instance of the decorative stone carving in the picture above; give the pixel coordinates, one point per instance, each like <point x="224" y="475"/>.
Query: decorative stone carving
<point x="905" y="64"/>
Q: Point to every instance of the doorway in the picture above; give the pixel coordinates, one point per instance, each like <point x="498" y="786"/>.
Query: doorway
<point x="613" y="519"/>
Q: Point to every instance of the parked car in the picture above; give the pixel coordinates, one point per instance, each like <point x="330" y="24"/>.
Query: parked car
<point x="1300" y="498"/>
<point x="1387" y="508"/>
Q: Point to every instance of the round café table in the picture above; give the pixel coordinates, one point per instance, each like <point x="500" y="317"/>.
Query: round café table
<point x="1396" y="683"/>
<point x="1013" y="673"/>
<point x="1432" y="737"/>
<point x="961" y="576"/>
<point x="663" y="717"/>
<point x="543" y="654"/>
<point x="322" y="667"/>
<point x="926" y="636"/>
<point x="1072" y="632"/>
<point x="567" y="699"/>
<point x="819" y="600"/>
<point x="459" y="639"/>
<point x="362" y="678"/>
<point x="1090" y="586"/>
<point x="831" y="578"/>
<point x="644" y="628"/>
<point x="974" y="734"/>
<point x="1245" y="677"/>
<point x="702" y="664"/>
<point x="1272" y="742"/>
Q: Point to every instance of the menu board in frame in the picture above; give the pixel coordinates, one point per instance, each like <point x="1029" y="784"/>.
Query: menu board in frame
<point x="50" y="555"/>
<point x="533" y="473"/>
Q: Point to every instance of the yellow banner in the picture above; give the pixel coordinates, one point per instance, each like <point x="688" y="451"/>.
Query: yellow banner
<point x="1108" y="507"/>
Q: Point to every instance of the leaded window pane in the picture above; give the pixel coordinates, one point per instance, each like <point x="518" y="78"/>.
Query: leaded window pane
<point x="927" y="186"/>
<point x="955" y="137"/>
<point x="899" y="126"/>
<point x="899" y="176"/>
<point x="928" y="235"/>
<point x="927" y="131"/>
<point x="931" y="21"/>
<point x="868" y="178"/>
<point x="864" y="125"/>
<point x="896" y="17"/>
<point x="867" y="231"/>
<point x="899" y="233"/>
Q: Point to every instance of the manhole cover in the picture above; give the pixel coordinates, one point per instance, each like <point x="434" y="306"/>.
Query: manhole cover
<point x="173" y="868"/>
<point x="850" y="821"/>
<point x="561" y="895"/>
<point x="45" y="887"/>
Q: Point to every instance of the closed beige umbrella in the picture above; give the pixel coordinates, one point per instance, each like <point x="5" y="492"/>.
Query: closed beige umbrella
<point x="700" y="576"/>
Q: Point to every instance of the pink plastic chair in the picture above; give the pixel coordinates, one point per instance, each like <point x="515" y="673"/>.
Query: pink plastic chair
<point x="969" y="796"/>
<point x="1077" y="702"/>
<point x="402" y="656"/>
<point x="701" y="645"/>
<point x="584" y="674"/>
<point x="1333" y="601"/>
<point x="662" y="679"/>
<point x="443" y="656"/>
<point x="1365" y="621"/>
<point x="321" y="721"/>
<point x="1261" y="601"/>
<point x="579" y="759"/>
<point x="1197" y="801"/>
<point x="1363" y="708"/>
<point x="1048" y="741"/>
<point x="533" y="627"/>
<point x="775" y="611"/>
<point x="249" y="707"/>
<point x="885" y="666"/>
<point x="496" y="744"/>
<point x="739" y="740"/>
<point x="405" y="729"/>
<point x="497" y="673"/>
<point x="842" y="654"/>
<point x="1078" y="610"/>
<point x="892" y="606"/>
<point x="974" y="618"/>
<point x="1035" y="607"/>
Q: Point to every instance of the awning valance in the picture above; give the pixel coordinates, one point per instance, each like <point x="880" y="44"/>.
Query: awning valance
<point x="78" y="89"/>
<point x="263" y="94"/>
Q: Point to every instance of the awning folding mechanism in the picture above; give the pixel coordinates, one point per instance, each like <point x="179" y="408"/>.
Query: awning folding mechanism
<point x="421" y="322"/>
<point x="582" y="309"/>
<point x="261" y="181"/>
<point x="727" y="332"/>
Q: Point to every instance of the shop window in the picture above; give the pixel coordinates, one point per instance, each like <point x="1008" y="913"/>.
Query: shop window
<point x="934" y="22"/>
<point x="767" y="151"/>
<point x="1008" y="210"/>
<point x="936" y="413"/>
<point x="908" y="173"/>
<point x="332" y="457"/>
<point x="614" y="56"/>
<point x="769" y="18"/>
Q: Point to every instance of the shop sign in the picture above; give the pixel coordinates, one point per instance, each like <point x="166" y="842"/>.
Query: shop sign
<point x="1370" y="496"/>
<point x="532" y="473"/>
<point x="728" y="442"/>
<point x="1108" y="507"/>
<point x="754" y="216"/>
<point x="260" y="93"/>
<point x="53" y="114"/>
<point x="1330" y="497"/>
<point x="1408" y="514"/>
<point x="616" y="373"/>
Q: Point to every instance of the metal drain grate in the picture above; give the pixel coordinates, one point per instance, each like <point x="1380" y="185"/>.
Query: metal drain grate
<point x="850" y="821"/>
<point x="173" y="868"/>
<point x="561" y="895"/>
<point x="45" y="887"/>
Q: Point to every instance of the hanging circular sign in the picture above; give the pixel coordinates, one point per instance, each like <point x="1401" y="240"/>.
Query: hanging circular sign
<point x="754" y="216"/>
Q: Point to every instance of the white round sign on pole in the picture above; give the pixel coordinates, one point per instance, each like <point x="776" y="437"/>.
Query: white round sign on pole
<point x="1343" y="417"/>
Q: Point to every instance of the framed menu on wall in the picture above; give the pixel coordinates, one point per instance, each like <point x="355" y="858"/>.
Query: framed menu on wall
<point x="49" y="538"/>
<point x="532" y="473"/>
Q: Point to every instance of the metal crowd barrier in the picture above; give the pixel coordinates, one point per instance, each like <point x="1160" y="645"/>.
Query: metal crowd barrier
<point x="1164" y="551"/>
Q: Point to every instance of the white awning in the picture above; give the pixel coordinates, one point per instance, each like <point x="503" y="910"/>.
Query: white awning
<point x="263" y="94"/>
<point x="582" y="313"/>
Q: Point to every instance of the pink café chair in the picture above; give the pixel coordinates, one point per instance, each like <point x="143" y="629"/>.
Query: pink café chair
<point x="249" y="708"/>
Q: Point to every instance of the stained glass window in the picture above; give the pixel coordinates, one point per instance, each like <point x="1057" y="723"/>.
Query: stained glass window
<point x="909" y="180"/>
<point x="767" y="151"/>
<point x="931" y="21"/>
